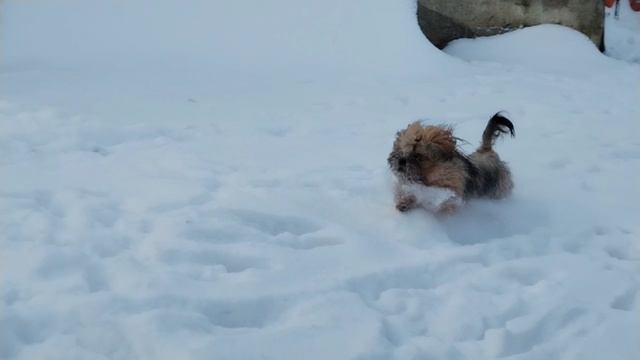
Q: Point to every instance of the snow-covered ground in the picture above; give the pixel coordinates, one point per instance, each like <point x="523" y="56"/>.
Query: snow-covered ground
<point x="208" y="180"/>
<point x="622" y="32"/>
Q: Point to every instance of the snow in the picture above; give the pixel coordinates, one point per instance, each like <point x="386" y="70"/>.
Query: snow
<point x="209" y="181"/>
<point x="542" y="48"/>
<point x="431" y="198"/>
<point x="621" y="33"/>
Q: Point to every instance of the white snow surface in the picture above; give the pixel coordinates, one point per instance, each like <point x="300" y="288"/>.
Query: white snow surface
<point x="208" y="180"/>
<point x="622" y="33"/>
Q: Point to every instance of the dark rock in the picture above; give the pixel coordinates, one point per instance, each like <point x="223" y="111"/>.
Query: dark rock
<point x="445" y="20"/>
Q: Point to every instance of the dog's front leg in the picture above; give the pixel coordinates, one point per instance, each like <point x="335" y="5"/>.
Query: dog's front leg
<point x="404" y="200"/>
<point x="450" y="206"/>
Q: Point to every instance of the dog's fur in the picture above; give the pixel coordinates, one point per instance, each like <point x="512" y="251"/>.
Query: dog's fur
<point x="428" y="155"/>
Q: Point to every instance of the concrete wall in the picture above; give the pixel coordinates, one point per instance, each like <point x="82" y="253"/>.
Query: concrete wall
<point x="445" y="20"/>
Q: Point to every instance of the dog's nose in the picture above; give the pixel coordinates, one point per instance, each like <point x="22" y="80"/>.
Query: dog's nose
<point x="402" y="163"/>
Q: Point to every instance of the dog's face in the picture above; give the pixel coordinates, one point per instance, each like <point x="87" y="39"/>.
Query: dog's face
<point x="417" y="148"/>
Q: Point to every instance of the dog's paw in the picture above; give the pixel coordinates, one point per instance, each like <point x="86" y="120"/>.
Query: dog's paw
<point x="406" y="203"/>
<point x="449" y="207"/>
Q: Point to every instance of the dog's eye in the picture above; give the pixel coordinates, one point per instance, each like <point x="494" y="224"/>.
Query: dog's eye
<point x="402" y="162"/>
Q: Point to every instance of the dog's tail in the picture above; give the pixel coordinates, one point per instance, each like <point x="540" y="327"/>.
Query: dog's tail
<point x="497" y="126"/>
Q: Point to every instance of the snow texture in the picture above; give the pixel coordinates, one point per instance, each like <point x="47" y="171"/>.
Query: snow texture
<point x="622" y="37"/>
<point x="430" y="197"/>
<point x="208" y="180"/>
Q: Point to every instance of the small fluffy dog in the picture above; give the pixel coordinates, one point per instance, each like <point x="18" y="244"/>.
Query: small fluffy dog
<point x="428" y="156"/>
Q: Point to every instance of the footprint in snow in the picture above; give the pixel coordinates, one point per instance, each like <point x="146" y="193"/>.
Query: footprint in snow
<point x="232" y="263"/>
<point x="272" y="224"/>
<point x="307" y="241"/>
<point x="626" y="301"/>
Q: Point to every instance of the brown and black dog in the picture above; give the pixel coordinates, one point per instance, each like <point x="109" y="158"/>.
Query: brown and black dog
<point x="429" y="156"/>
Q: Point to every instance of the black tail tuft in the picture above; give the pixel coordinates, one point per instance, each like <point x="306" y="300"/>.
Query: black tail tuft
<point x="497" y="126"/>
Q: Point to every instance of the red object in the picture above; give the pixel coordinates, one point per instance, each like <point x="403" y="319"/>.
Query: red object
<point x="609" y="3"/>
<point x="635" y="5"/>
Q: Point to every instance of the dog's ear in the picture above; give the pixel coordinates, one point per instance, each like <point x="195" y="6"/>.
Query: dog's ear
<point x="407" y="139"/>
<point x="440" y="139"/>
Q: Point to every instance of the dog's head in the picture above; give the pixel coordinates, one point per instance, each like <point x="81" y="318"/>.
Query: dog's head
<point x="419" y="147"/>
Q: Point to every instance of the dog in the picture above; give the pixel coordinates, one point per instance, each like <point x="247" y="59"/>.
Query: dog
<point x="428" y="156"/>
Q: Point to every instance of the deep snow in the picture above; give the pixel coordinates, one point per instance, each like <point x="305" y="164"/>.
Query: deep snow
<point x="209" y="181"/>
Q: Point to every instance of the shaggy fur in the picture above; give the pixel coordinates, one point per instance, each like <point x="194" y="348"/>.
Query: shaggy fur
<point x="428" y="155"/>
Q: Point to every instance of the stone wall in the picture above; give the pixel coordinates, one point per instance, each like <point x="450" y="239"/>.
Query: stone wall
<point x="445" y="20"/>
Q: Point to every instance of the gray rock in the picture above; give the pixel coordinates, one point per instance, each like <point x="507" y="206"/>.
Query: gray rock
<point x="445" y="20"/>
